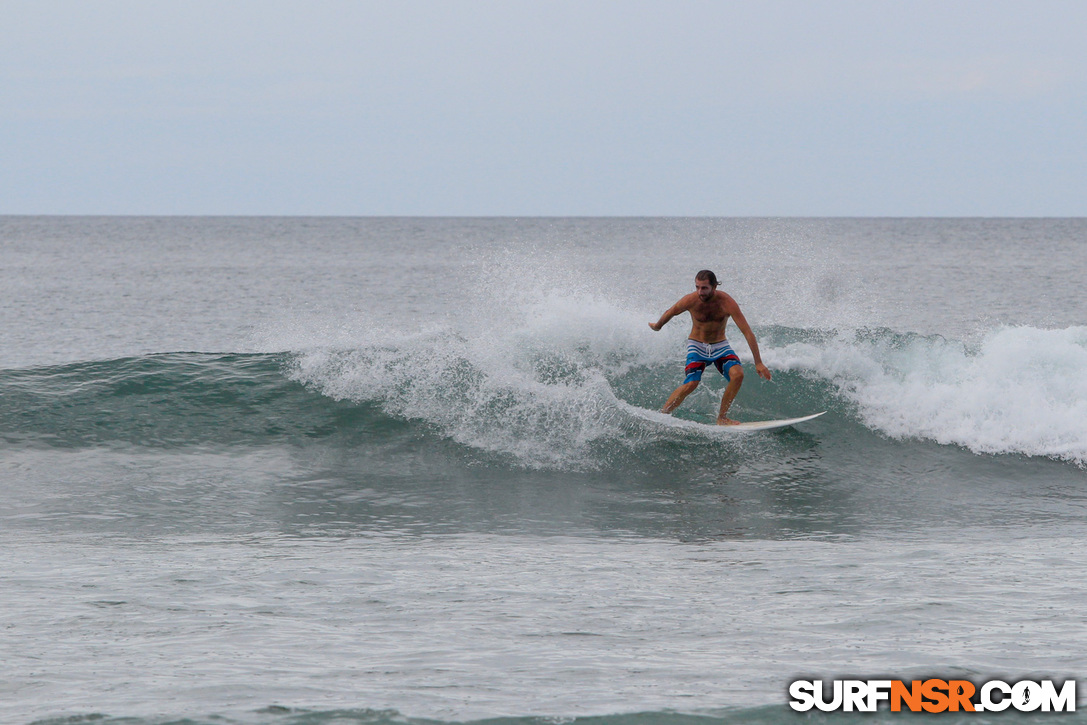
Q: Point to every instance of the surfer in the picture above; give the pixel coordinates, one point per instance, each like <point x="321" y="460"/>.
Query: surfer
<point x="710" y="309"/>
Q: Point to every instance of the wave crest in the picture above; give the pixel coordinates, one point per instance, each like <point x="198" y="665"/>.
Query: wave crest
<point x="1018" y="390"/>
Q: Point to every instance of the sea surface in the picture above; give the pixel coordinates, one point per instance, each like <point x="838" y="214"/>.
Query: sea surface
<point x="296" y="471"/>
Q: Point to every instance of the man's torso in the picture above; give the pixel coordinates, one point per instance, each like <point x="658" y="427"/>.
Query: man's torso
<point x="708" y="319"/>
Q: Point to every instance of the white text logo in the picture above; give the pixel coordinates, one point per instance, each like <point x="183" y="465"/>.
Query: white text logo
<point x="932" y="695"/>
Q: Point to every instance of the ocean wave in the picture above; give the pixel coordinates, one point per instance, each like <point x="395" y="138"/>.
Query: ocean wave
<point x="575" y="384"/>
<point x="165" y="400"/>
<point x="1020" y="390"/>
<point x="562" y="390"/>
<point x="575" y="373"/>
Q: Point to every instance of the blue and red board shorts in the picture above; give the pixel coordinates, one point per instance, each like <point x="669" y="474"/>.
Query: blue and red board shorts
<point x="720" y="354"/>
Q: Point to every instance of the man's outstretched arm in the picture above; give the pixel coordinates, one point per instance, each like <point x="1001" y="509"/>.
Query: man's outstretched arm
<point x="749" y="335"/>
<point x="671" y="312"/>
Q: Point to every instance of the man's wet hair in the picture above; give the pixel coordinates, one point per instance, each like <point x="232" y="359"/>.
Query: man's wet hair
<point x="707" y="275"/>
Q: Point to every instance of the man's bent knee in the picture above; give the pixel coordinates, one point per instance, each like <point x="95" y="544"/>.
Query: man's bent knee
<point x="735" y="374"/>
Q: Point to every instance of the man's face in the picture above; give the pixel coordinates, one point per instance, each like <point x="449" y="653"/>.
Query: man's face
<point x="704" y="289"/>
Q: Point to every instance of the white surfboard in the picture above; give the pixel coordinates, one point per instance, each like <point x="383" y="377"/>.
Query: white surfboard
<point x="755" y="425"/>
<point x="768" y="424"/>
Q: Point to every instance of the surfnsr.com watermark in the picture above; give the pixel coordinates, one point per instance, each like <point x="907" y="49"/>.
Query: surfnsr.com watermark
<point x="933" y="695"/>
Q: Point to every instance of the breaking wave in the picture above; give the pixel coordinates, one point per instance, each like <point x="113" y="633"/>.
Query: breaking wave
<point x="572" y="384"/>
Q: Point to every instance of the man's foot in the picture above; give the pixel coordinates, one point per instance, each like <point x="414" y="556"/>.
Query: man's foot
<point x="727" y="421"/>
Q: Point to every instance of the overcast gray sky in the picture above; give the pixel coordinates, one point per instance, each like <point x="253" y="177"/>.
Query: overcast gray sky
<point x="783" y="108"/>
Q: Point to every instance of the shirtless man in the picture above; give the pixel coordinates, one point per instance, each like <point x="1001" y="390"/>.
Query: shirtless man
<point x="710" y="310"/>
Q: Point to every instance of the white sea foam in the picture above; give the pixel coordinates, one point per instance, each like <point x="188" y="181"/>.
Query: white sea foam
<point x="536" y="389"/>
<point x="535" y="379"/>
<point x="1021" y="390"/>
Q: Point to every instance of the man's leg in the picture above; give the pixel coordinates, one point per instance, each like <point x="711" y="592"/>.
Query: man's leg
<point x="678" y="395"/>
<point x="735" y="380"/>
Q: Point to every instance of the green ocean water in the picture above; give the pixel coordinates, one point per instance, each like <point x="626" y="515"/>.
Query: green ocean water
<point x="398" y="470"/>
